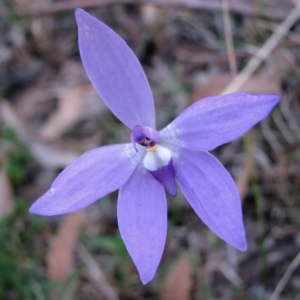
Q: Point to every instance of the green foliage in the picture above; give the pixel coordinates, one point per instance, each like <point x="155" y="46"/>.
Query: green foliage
<point x="13" y="17"/>
<point x="22" y="276"/>
<point x="18" y="156"/>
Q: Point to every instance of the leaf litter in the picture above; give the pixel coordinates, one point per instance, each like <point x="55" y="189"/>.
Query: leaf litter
<point x="183" y="52"/>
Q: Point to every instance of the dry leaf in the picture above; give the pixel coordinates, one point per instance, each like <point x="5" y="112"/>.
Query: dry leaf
<point x="97" y="277"/>
<point x="70" y="106"/>
<point x="60" y="259"/>
<point x="242" y="181"/>
<point x="215" y="86"/>
<point x="41" y="27"/>
<point x="149" y="13"/>
<point x="179" y="281"/>
<point x="6" y="195"/>
<point x="46" y="154"/>
<point x="94" y="105"/>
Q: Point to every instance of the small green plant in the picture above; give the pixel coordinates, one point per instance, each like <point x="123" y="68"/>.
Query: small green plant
<point x="21" y="255"/>
<point x="17" y="156"/>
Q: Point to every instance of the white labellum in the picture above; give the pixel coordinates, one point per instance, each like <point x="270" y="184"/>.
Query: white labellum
<point x="156" y="158"/>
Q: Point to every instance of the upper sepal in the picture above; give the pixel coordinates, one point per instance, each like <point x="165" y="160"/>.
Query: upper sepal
<point x="115" y="72"/>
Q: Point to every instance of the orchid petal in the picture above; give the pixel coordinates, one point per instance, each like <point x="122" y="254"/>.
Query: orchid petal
<point x="142" y="218"/>
<point x="212" y="193"/>
<point x="115" y="72"/>
<point x="213" y="121"/>
<point x="90" y="177"/>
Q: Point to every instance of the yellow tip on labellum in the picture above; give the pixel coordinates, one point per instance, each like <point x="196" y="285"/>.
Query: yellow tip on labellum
<point x="152" y="149"/>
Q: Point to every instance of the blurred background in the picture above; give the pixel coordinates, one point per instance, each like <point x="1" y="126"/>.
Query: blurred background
<point x="50" y="114"/>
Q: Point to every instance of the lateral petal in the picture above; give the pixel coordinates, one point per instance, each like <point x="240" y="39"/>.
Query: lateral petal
<point x="142" y="218"/>
<point x="90" y="177"/>
<point x="214" y="121"/>
<point x="213" y="195"/>
<point x="115" y="72"/>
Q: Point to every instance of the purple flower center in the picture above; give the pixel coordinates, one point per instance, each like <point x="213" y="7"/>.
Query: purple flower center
<point x="143" y="140"/>
<point x="144" y="136"/>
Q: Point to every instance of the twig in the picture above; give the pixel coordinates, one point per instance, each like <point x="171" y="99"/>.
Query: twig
<point x="96" y="274"/>
<point x="264" y="51"/>
<point x="215" y="5"/>
<point x="46" y="154"/>
<point x="192" y="56"/>
<point x="270" y="136"/>
<point x="285" y="278"/>
<point x="231" y="274"/>
<point x="228" y="37"/>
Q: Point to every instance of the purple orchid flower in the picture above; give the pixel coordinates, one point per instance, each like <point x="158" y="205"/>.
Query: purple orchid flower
<point x="154" y="160"/>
